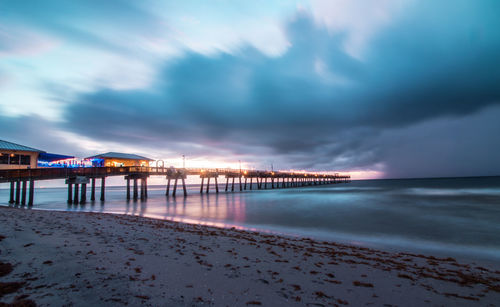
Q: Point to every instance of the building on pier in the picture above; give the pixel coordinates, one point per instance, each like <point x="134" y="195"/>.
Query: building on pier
<point x="15" y="156"/>
<point x="57" y="160"/>
<point x="118" y="159"/>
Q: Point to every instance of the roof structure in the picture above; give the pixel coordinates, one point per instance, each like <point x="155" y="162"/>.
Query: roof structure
<point x="13" y="146"/>
<point x="119" y="155"/>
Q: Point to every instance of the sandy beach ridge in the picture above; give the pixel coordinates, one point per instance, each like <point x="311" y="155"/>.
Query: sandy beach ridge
<point x="79" y="259"/>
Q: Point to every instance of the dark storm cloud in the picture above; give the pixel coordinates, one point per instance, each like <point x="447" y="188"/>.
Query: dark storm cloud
<point x="316" y="106"/>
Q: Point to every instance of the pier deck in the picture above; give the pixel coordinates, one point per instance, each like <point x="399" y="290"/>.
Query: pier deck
<point x="80" y="177"/>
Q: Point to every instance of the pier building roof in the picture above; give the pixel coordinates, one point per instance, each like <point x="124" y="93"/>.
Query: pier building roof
<point x="119" y="155"/>
<point x="5" y="145"/>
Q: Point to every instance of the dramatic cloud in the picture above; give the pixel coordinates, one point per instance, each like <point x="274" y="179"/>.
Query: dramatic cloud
<point x="331" y="86"/>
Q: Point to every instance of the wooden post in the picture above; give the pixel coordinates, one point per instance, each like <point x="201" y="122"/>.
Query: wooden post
<point x="251" y="182"/>
<point x="216" y="186"/>
<point x="23" y="198"/>
<point x="245" y="183"/>
<point x="128" y="188"/>
<point x="272" y="182"/>
<point x="241" y="188"/>
<point x="201" y="188"/>
<point x="103" y="188"/>
<point x="168" y="187"/>
<point x="136" y="192"/>
<point x="143" y="196"/>
<point x="227" y="183"/>
<point x="145" y="187"/>
<point x="232" y="186"/>
<point x="92" y="190"/>
<point x="175" y="187"/>
<point x="18" y="191"/>
<point x="184" y="187"/>
<point x="31" y="193"/>
<point x="208" y="184"/>
<point x="259" y="182"/>
<point x="83" y="196"/>
<point x="70" y="193"/>
<point x="75" y="196"/>
<point x="11" y="199"/>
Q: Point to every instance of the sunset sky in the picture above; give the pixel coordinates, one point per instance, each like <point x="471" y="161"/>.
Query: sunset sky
<point x="382" y="88"/>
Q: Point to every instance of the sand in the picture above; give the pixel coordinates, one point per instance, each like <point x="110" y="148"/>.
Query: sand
<point x="81" y="259"/>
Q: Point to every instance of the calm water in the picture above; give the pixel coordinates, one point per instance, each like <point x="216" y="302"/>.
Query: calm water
<point x="458" y="216"/>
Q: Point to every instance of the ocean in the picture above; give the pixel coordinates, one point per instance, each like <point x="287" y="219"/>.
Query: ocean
<point x="453" y="216"/>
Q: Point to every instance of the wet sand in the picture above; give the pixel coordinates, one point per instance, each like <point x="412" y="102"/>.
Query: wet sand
<point x="81" y="259"/>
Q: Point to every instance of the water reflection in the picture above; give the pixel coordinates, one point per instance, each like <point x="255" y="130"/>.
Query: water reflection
<point x="461" y="214"/>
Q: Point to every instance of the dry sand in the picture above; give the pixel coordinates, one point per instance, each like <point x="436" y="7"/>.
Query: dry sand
<point x="81" y="259"/>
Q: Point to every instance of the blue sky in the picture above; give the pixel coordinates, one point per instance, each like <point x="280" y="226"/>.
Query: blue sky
<point x="380" y="88"/>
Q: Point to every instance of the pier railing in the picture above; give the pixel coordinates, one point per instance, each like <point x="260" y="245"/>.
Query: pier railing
<point x="99" y="172"/>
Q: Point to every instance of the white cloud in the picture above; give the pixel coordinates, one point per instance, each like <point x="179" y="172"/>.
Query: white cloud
<point x="16" y="41"/>
<point x="361" y="20"/>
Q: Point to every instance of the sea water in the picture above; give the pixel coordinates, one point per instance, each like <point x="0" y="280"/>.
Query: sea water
<point x="445" y="216"/>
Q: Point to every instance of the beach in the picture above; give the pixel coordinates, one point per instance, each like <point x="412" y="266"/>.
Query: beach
<point x="82" y="258"/>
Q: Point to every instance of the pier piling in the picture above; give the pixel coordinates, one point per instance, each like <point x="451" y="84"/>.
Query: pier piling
<point x="83" y="195"/>
<point x="128" y="188"/>
<point x="70" y="193"/>
<point x="75" y="196"/>
<point x="11" y="197"/>
<point x="175" y="187"/>
<point x="184" y="187"/>
<point x="23" y="193"/>
<point x="103" y="188"/>
<point x="136" y="193"/>
<point x="92" y="190"/>
<point x="18" y="191"/>
<point x="31" y="192"/>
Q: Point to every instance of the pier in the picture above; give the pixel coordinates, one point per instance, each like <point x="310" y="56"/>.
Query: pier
<point x="22" y="181"/>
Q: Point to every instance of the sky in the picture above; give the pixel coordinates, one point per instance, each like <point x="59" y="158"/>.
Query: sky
<point x="377" y="88"/>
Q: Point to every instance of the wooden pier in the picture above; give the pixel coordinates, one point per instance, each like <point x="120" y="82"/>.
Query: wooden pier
<point x="136" y="178"/>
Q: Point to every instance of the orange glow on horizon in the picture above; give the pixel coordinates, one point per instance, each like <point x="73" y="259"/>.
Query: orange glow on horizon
<point x="203" y="163"/>
<point x="359" y="175"/>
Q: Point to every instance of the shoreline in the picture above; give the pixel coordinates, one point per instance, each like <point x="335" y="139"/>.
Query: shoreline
<point x="63" y="257"/>
<point x="491" y="257"/>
